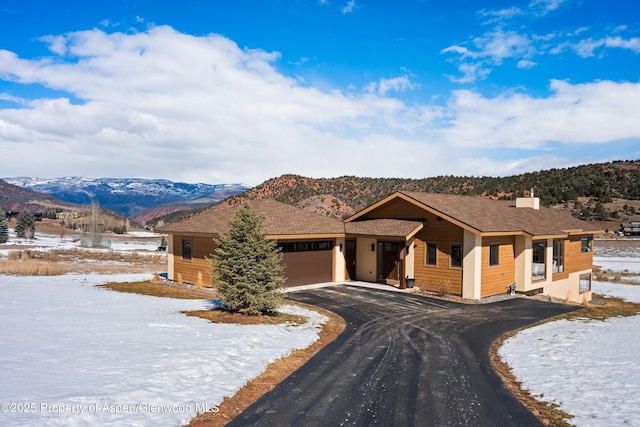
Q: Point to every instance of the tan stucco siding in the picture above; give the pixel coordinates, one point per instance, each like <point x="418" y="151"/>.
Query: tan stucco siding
<point x="339" y="266"/>
<point x="496" y="278"/>
<point x="366" y="248"/>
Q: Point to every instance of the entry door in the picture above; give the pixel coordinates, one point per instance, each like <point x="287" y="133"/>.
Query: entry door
<point x="389" y="262"/>
<point x="350" y="258"/>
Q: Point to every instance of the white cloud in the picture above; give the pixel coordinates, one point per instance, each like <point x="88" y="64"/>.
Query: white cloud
<point x="490" y="50"/>
<point x="542" y="7"/>
<point x="586" y="113"/>
<point x="396" y="84"/>
<point x="500" y="14"/>
<point x="349" y="7"/>
<point x="586" y="48"/>
<point x="200" y="109"/>
<point x="471" y="72"/>
<point x="526" y="65"/>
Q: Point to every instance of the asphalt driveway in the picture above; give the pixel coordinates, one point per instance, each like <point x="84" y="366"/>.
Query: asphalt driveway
<point x="403" y="360"/>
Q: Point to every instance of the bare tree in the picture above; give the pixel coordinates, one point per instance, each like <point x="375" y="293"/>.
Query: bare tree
<point x="96" y="228"/>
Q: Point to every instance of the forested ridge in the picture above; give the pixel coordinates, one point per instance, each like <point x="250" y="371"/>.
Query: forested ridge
<point x="584" y="190"/>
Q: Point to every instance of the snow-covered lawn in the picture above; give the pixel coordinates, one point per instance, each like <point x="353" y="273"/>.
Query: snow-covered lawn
<point x="74" y="354"/>
<point x="132" y="241"/>
<point x="588" y="367"/>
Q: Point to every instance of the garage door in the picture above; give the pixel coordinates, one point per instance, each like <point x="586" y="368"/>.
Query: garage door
<point x="303" y="268"/>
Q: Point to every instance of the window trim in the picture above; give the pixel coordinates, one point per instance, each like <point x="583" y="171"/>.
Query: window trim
<point x="426" y="260"/>
<point x="558" y="267"/>
<point x="580" y="280"/>
<point x="306" y="246"/>
<point x="495" y="246"/>
<point x="451" y="246"/>
<point x="584" y="249"/>
<point x="190" y="241"/>
<point x="534" y="277"/>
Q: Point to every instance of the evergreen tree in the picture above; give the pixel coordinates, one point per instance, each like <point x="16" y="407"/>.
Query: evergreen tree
<point x="25" y="225"/>
<point x="4" y="228"/>
<point x="246" y="267"/>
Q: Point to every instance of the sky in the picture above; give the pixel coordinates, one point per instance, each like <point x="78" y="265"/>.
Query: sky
<point x="246" y="90"/>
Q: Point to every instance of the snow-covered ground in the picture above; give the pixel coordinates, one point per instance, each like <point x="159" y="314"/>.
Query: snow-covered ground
<point x="74" y="354"/>
<point x="588" y="367"/>
<point x="132" y="241"/>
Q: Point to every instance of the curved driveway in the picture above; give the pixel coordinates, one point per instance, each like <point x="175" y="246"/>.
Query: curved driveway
<point x="403" y="360"/>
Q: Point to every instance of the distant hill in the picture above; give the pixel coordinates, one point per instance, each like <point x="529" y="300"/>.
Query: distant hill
<point x="127" y="196"/>
<point x="18" y="199"/>
<point x="148" y="214"/>
<point x="594" y="191"/>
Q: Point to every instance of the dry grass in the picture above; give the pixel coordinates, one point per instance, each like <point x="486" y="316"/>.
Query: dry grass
<point x="275" y="372"/>
<point x="158" y="290"/>
<point x="29" y="262"/>
<point x="626" y="277"/>
<point x="549" y="413"/>
<point x="221" y="316"/>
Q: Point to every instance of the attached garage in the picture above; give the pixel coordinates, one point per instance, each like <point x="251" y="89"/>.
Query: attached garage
<point x="311" y="243"/>
<point x="307" y="262"/>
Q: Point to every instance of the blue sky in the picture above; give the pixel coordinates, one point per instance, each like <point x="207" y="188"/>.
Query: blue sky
<point x="242" y="91"/>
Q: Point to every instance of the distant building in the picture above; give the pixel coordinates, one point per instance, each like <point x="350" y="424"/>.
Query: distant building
<point x="631" y="229"/>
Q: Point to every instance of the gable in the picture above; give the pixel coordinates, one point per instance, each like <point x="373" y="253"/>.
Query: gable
<point x="396" y="208"/>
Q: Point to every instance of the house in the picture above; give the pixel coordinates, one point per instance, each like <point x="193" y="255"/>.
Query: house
<point x="631" y="228"/>
<point x="467" y="246"/>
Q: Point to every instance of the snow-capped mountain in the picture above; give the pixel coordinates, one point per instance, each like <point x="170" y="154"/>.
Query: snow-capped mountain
<point x="125" y="195"/>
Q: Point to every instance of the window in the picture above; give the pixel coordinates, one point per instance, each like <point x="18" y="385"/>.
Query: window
<point x="186" y="249"/>
<point x="324" y="245"/>
<point x="585" y="244"/>
<point x="558" y="256"/>
<point x="456" y="255"/>
<point x="538" y="265"/>
<point x="494" y="254"/>
<point x="585" y="283"/>
<point x="432" y="254"/>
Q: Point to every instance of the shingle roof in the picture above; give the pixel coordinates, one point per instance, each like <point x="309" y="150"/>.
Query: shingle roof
<point x="485" y="215"/>
<point x="384" y="227"/>
<point x="280" y="219"/>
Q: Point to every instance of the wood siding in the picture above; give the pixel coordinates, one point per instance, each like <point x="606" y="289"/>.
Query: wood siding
<point x="300" y="267"/>
<point x="574" y="259"/>
<point x="397" y="209"/>
<point x="441" y="277"/>
<point x="496" y="278"/>
<point x="200" y="247"/>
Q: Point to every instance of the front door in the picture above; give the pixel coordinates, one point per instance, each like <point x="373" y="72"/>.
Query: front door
<point x="350" y="258"/>
<point x="389" y="262"/>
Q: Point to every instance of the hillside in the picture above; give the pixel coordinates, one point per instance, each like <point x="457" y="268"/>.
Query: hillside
<point x="15" y="198"/>
<point x="148" y="214"/>
<point x="605" y="191"/>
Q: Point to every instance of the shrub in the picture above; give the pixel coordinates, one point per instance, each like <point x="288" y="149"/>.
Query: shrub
<point x="25" y="225"/>
<point x="4" y="229"/>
